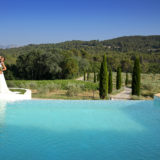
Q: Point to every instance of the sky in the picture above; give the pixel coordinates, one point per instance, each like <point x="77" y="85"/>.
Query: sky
<point x="25" y="22"/>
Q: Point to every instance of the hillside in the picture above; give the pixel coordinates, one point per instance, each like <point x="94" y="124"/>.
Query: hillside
<point x="125" y="44"/>
<point x="120" y="52"/>
<point x="143" y="44"/>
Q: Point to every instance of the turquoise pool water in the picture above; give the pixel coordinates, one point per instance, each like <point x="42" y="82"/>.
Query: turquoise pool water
<point x="80" y="130"/>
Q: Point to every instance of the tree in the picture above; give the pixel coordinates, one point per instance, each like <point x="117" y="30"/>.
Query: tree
<point x="118" y="79"/>
<point x="95" y="77"/>
<point x="103" y="82"/>
<point x="110" y="84"/>
<point x="36" y="65"/>
<point x="126" y="81"/>
<point x="83" y="64"/>
<point x="136" y="78"/>
<point x="9" y="75"/>
<point x="84" y="76"/>
<point x="70" y="68"/>
<point x="88" y="76"/>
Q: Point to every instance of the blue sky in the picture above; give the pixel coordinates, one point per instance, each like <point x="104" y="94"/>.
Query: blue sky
<point x="50" y="21"/>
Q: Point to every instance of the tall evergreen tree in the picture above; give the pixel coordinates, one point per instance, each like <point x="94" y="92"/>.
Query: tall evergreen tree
<point x="136" y="78"/>
<point x="95" y="77"/>
<point x="88" y="76"/>
<point x="126" y="81"/>
<point x="118" y="79"/>
<point x="84" y="76"/>
<point x="98" y="76"/>
<point x="110" y="84"/>
<point x="103" y="82"/>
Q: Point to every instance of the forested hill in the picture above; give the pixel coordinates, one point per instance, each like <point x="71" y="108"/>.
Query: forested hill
<point x="125" y="44"/>
<point x="84" y="54"/>
<point x="122" y="44"/>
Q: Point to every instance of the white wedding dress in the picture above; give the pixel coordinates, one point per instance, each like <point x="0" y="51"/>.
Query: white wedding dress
<point x="7" y="95"/>
<point x="3" y="85"/>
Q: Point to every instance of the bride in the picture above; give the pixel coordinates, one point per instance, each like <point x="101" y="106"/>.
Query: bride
<point x="3" y="85"/>
<point x="5" y="93"/>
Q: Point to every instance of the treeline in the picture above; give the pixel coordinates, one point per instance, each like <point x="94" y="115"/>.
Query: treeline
<point x="57" y="60"/>
<point x="56" y="64"/>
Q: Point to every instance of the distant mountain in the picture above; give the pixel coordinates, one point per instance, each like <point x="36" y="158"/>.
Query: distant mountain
<point x="141" y="44"/>
<point x="2" y="46"/>
<point x="122" y="44"/>
<point x="8" y="46"/>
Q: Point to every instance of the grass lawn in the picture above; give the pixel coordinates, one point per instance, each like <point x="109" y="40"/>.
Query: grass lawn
<point x="20" y="91"/>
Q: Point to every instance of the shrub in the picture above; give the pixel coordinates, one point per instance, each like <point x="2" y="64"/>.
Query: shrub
<point x="43" y="89"/>
<point x="53" y="87"/>
<point x="147" y="86"/>
<point x="73" y="90"/>
<point x="32" y="85"/>
<point x="11" y="84"/>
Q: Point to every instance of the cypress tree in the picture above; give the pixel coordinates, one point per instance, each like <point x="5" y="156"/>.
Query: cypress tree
<point x="110" y="84"/>
<point x="98" y="76"/>
<point x="126" y="81"/>
<point x="103" y="81"/>
<point x="95" y="77"/>
<point x="118" y="79"/>
<point x="84" y="76"/>
<point x="136" y="78"/>
<point x="88" y="76"/>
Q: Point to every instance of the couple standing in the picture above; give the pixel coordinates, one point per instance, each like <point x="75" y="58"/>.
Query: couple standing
<point x="3" y="85"/>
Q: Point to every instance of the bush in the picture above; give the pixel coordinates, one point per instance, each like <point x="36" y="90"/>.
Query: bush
<point x="11" y="84"/>
<point x="73" y="90"/>
<point x="53" y="87"/>
<point x="43" y="89"/>
<point x="32" y="85"/>
<point x="23" y="85"/>
<point x="147" y="86"/>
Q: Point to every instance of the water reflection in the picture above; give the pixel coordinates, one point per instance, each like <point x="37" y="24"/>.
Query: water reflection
<point x="2" y="113"/>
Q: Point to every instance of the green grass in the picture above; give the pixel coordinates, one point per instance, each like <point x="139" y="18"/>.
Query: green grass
<point x="21" y="91"/>
<point x="150" y="85"/>
<point x="60" y="84"/>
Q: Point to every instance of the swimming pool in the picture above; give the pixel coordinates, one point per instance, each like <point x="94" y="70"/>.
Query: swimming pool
<point x="80" y="130"/>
